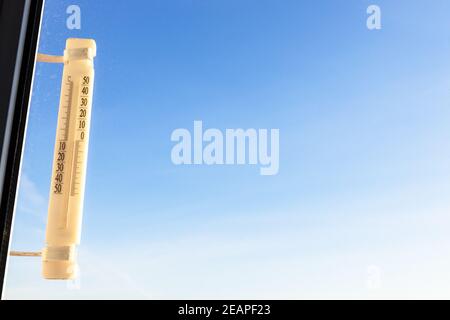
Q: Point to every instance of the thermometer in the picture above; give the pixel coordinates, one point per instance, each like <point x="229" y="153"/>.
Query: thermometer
<point x="69" y="161"/>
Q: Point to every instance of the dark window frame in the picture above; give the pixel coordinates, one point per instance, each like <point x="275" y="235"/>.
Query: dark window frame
<point x="19" y="33"/>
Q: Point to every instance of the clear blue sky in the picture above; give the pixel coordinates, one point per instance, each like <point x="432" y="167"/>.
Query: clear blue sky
<point x="364" y="176"/>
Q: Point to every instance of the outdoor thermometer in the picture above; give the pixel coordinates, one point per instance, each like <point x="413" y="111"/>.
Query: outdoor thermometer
<point x="65" y="207"/>
<point x="69" y="161"/>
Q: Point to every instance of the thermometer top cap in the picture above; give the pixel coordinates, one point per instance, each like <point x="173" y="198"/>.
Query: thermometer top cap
<point x="80" y="48"/>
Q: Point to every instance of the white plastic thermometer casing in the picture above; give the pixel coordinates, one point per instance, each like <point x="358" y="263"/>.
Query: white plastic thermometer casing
<point x="69" y="163"/>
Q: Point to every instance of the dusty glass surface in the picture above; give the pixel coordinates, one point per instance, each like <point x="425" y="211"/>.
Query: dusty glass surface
<point x="355" y="203"/>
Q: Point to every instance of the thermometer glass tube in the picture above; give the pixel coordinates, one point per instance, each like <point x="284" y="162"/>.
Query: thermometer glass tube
<point x="69" y="162"/>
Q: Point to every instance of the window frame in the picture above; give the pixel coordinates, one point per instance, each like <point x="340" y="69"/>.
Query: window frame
<point x="20" y="22"/>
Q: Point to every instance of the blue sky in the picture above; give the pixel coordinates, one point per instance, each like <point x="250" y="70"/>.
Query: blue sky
<point x="364" y="174"/>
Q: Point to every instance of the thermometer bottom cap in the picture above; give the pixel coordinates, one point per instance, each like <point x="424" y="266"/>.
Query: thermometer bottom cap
<point x="58" y="263"/>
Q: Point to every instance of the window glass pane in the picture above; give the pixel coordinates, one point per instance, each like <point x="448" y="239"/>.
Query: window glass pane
<point x="240" y="149"/>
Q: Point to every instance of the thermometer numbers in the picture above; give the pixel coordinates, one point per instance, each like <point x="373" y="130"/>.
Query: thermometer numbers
<point x="76" y="154"/>
<point x="59" y="174"/>
<point x="84" y="102"/>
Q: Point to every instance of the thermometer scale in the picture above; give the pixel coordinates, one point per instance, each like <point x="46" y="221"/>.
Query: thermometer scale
<point x="69" y="161"/>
